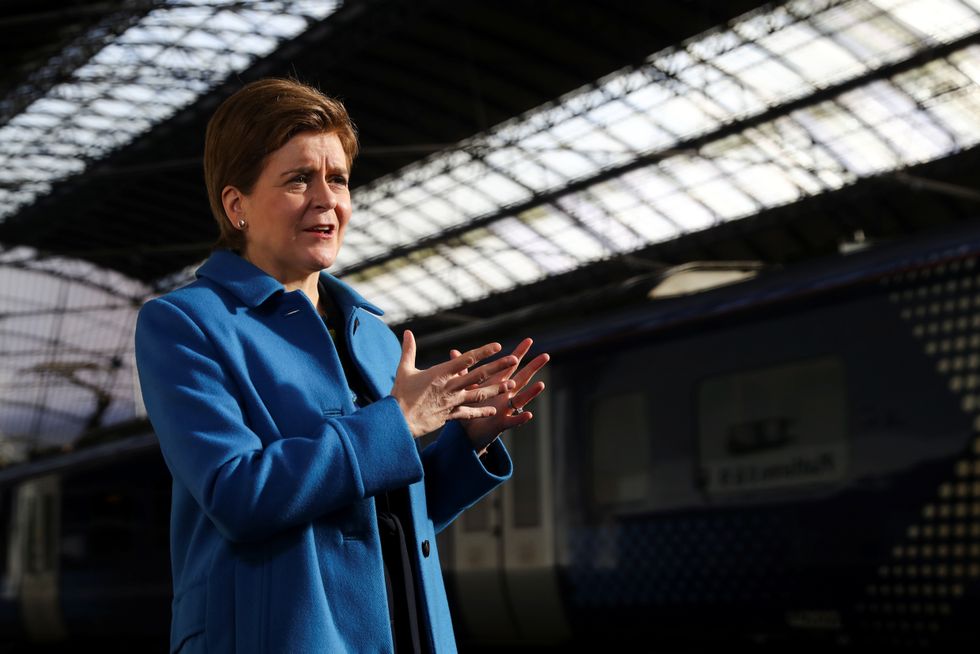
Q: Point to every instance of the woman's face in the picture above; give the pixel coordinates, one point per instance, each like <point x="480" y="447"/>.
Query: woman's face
<point x="298" y="209"/>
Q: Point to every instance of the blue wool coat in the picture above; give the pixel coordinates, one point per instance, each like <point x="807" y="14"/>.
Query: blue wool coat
<point x="274" y="539"/>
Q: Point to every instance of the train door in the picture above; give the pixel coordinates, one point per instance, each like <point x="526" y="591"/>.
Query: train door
<point x="529" y="534"/>
<point x="34" y="556"/>
<point x="504" y="548"/>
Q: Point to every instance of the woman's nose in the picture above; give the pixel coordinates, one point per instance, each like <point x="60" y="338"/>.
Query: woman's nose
<point x="323" y="195"/>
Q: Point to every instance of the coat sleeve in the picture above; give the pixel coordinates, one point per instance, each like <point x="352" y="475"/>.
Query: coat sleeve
<point x="456" y="478"/>
<point x="251" y="490"/>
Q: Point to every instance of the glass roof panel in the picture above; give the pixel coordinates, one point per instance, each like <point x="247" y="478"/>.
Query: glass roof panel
<point x="870" y="34"/>
<point x="396" y="281"/>
<point x="409" y="196"/>
<point x="504" y="190"/>
<point x="568" y="163"/>
<point x="439" y="185"/>
<point x="66" y="337"/>
<point x="437" y="211"/>
<point x="817" y="148"/>
<point x="448" y="278"/>
<point x="958" y="112"/>
<point x="925" y="18"/>
<point x="360" y="238"/>
<point x="565" y="233"/>
<point x="430" y="286"/>
<point x="966" y="61"/>
<point x="649" y="223"/>
<point x="385" y="206"/>
<point x="466" y="200"/>
<point x="724" y="199"/>
<point x="460" y="276"/>
<point x="616" y="237"/>
<point x="513" y="234"/>
<point x="823" y="60"/>
<point x="523" y="267"/>
<point x="177" y="52"/>
<point x="483" y="278"/>
<point x="606" y="114"/>
<point x="846" y="138"/>
<point x="39" y="120"/>
<point x="682" y="117"/>
<point x="767" y="182"/>
<point x="642" y="132"/>
<point x="410" y="225"/>
<point x="685" y="211"/>
<point x="652" y="94"/>
<point x="773" y="80"/>
<point x="650" y="113"/>
<point x="525" y="167"/>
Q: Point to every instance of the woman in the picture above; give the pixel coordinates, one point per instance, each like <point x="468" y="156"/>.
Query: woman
<point x="304" y="514"/>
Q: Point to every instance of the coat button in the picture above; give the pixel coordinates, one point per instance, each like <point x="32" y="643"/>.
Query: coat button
<point x="425" y="548"/>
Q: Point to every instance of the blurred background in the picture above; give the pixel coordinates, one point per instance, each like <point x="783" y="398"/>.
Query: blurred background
<point x="747" y="232"/>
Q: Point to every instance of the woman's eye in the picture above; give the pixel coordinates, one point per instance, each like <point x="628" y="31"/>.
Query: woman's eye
<point x="339" y="180"/>
<point x="301" y="179"/>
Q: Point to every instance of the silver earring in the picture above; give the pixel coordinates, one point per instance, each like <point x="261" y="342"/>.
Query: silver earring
<point x="242" y="224"/>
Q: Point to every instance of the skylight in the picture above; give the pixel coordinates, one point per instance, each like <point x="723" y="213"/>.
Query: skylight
<point x="565" y="185"/>
<point x="66" y="339"/>
<point x="171" y="57"/>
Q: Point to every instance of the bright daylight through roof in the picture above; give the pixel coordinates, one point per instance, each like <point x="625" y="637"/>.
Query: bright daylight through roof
<point x="718" y="129"/>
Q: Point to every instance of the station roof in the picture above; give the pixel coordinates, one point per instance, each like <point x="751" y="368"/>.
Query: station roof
<point x="512" y="152"/>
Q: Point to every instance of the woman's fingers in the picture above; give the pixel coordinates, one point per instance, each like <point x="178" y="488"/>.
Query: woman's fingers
<point x="482" y="374"/>
<point x="525" y="374"/>
<point x="454" y="353"/>
<point x="460" y="363"/>
<point x="531" y="369"/>
<point x="483" y="393"/>
<point x="518" y="419"/>
<point x="518" y="355"/>
<point x="504" y="373"/>
<point x="522" y="348"/>
<point x="470" y="412"/>
<point x="521" y="399"/>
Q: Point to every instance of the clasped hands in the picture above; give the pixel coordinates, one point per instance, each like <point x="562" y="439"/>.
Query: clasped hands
<point x="487" y="399"/>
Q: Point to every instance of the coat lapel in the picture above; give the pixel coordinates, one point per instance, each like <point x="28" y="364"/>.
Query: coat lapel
<point x="373" y="347"/>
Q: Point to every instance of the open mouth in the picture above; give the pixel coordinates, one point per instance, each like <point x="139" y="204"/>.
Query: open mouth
<point x="321" y="229"/>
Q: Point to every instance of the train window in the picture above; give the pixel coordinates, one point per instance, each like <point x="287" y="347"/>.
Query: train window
<point x="6" y="526"/>
<point x="525" y="483"/>
<point x="774" y="427"/>
<point x="31" y="551"/>
<point x="620" y="444"/>
<point x="42" y="527"/>
<point x="49" y="520"/>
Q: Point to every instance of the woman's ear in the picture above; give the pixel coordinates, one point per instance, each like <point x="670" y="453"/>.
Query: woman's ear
<point x="233" y="201"/>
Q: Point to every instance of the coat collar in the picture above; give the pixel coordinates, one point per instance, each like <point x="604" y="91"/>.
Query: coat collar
<point x="253" y="286"/>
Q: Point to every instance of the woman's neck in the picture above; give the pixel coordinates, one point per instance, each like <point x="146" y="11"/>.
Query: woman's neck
<point x="310" y="286"/>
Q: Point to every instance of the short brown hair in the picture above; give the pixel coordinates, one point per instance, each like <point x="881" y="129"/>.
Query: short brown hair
<point x="254" y="122"/>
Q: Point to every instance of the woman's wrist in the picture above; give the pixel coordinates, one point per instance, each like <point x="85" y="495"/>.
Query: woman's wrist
<point x="480" y="444"/>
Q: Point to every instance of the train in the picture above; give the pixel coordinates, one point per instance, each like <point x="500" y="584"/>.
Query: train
<point x="788" y="457"/>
